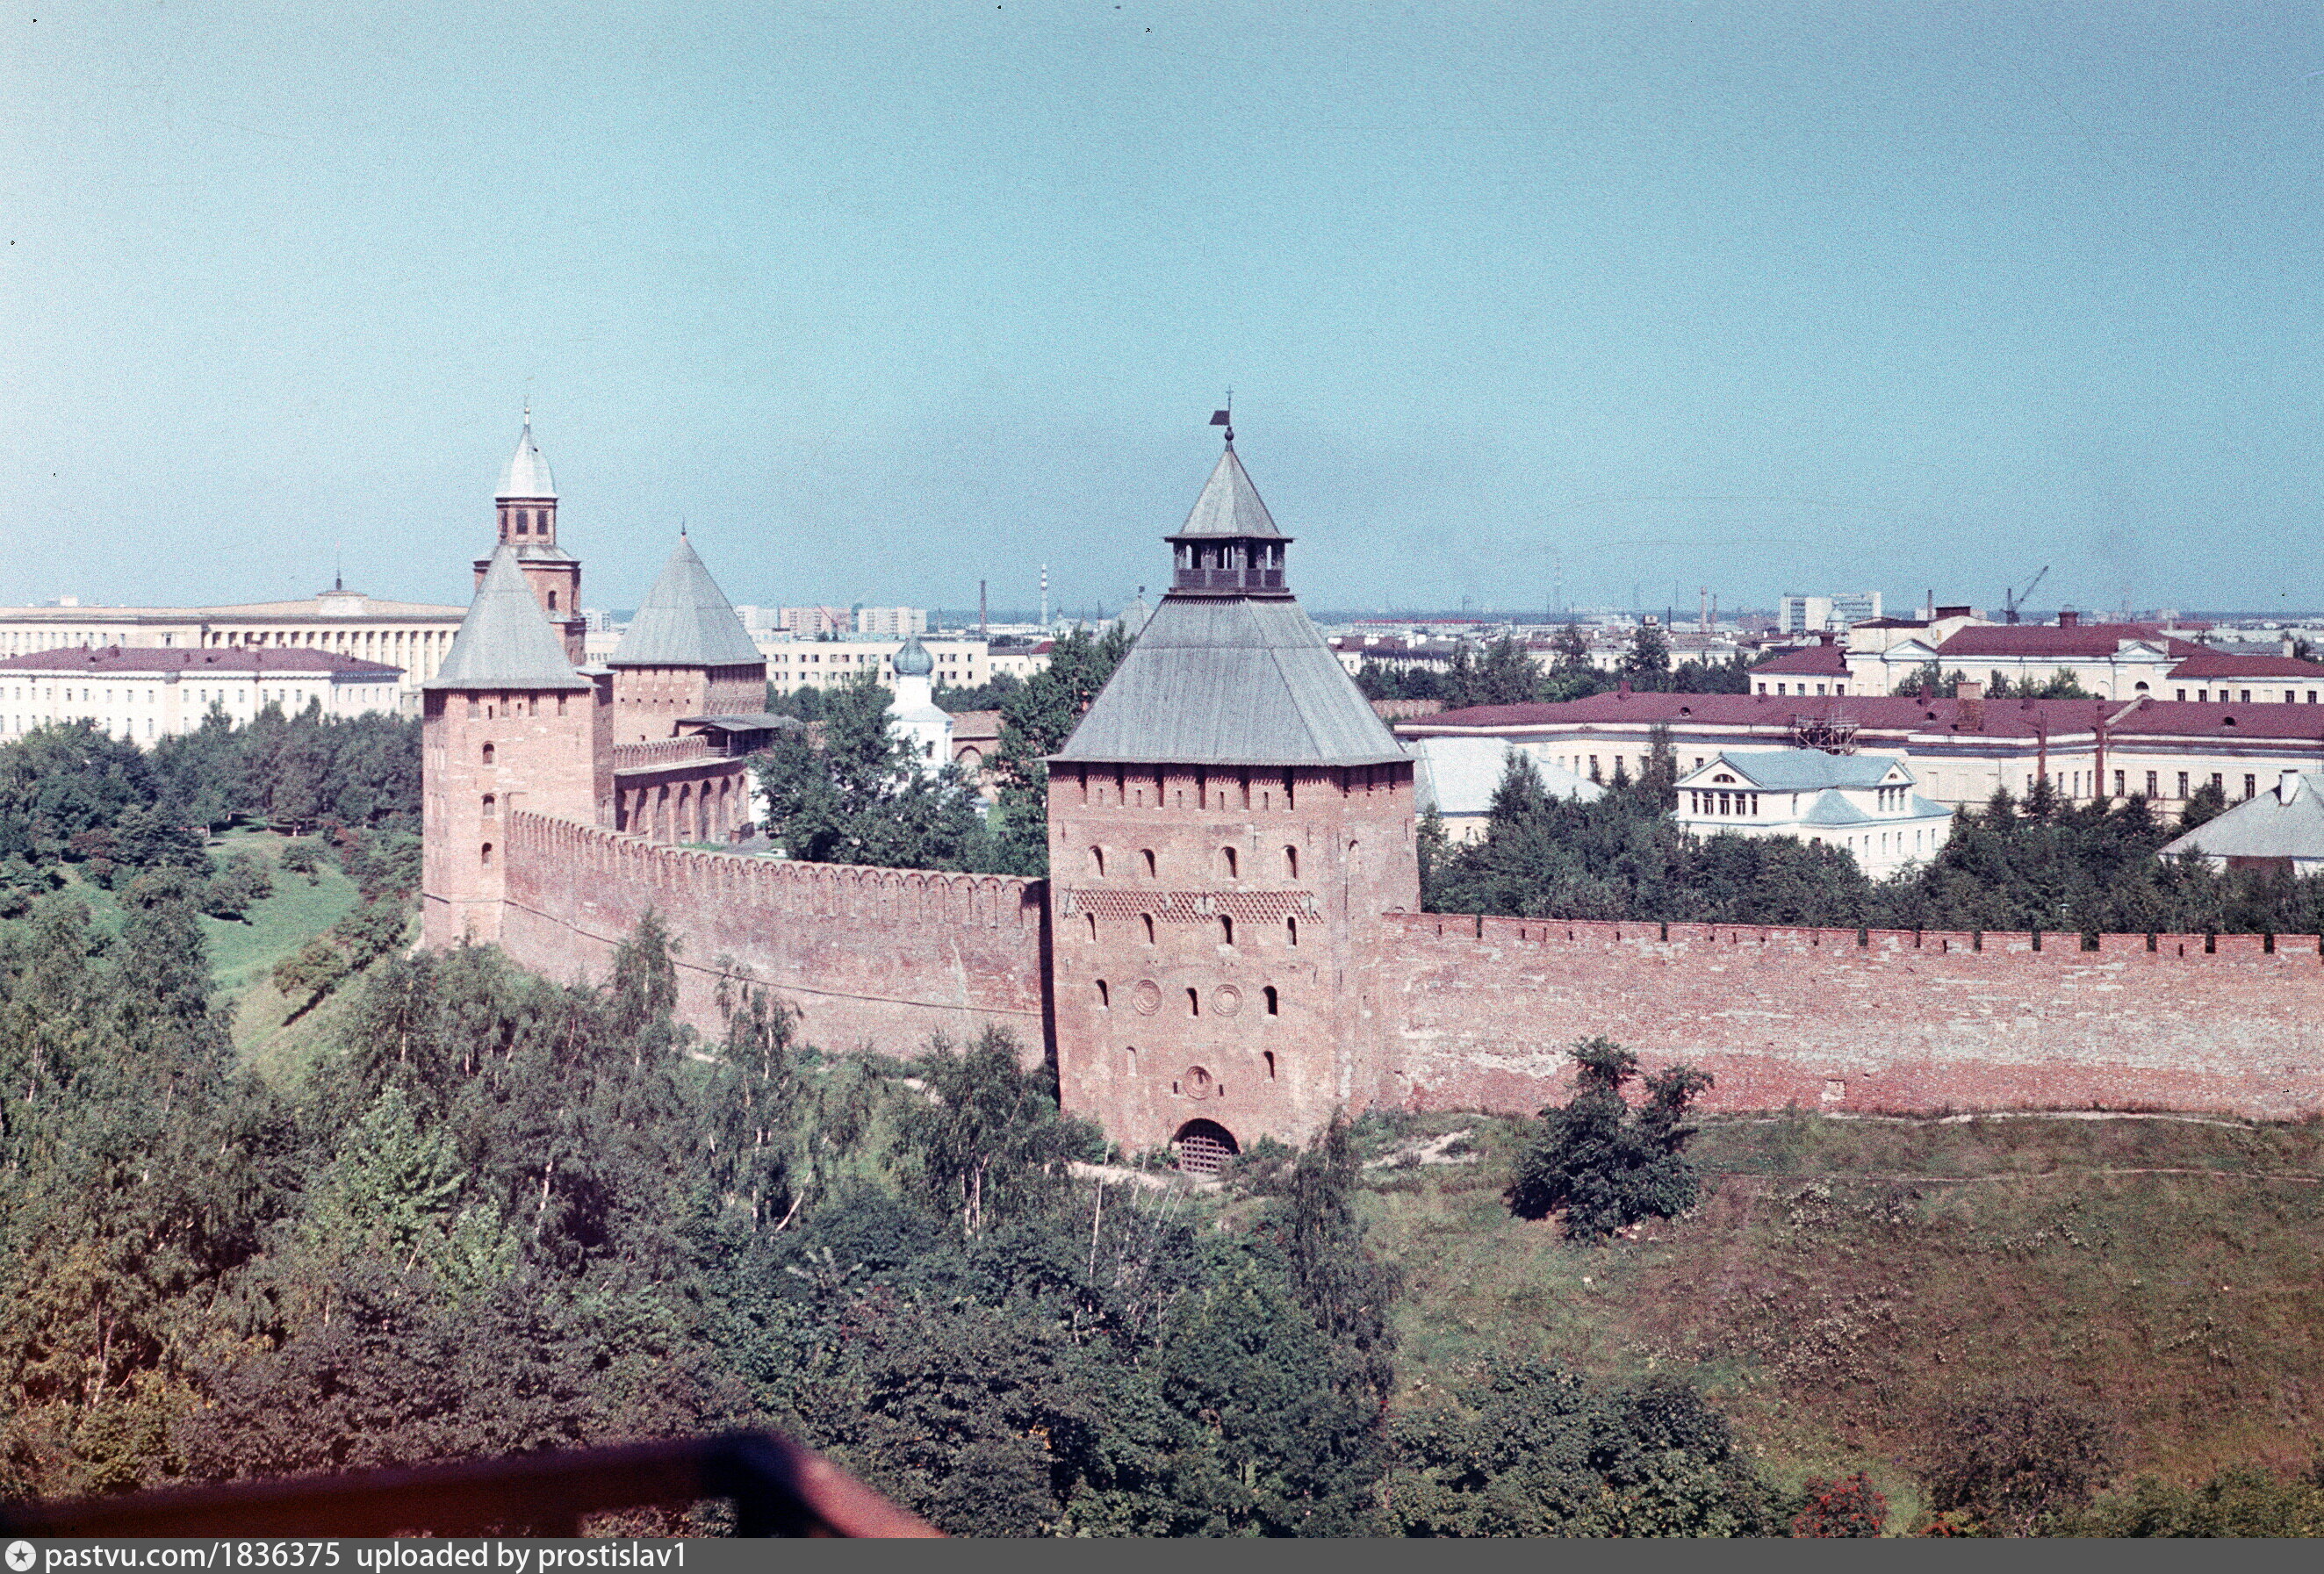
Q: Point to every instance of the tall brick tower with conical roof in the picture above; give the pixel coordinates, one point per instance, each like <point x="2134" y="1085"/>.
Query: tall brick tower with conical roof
<point x="506" y="724"/>
<point x="526" y="509"/>
<point x="686" y="655"/>
<point x="1225" y="825"/>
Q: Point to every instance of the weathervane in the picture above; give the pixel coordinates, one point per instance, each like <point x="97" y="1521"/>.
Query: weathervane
<point x="1225" y="418"/>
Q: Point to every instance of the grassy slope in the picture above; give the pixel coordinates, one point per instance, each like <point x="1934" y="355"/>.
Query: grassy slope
<point x="1844" y="1280"/>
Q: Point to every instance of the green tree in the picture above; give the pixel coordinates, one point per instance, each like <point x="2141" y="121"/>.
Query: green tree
<point x="1646" y="664"/>
<point x="1599" y="1166"/>
<point x="860" y="797"/>
<point x="1525" y="1448"/>
<point x="988" y="1129"/>
<point x="1034" y="725"/>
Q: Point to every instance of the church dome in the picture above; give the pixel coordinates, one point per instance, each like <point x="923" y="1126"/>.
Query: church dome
<point x="914" y="661"/>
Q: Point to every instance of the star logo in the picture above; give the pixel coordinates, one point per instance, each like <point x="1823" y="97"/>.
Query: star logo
<point x="20" y="1556"/>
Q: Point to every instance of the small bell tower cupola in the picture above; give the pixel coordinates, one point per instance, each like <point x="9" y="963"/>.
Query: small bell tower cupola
<point x="527" y="500"/>
<point x="525" y="510"/>
<point x="1229" y="545"/>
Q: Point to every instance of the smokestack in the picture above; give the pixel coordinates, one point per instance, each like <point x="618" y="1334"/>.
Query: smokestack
<point x="1045" y="597"/>
<point x="2069" y="619"/>
<point x="983" y="622"/>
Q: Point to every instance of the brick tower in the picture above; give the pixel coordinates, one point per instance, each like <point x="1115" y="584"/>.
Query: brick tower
<point x="686" y="655"/>
<point x="1225" y="825"/>
<point x="526" y="506"/>
<point x="506" y="724"/>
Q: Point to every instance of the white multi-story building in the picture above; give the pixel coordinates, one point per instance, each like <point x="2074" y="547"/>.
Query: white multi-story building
<point x="795" y="664"/>
<point x="1864" y="803"/>
<point x="410" y="635"/>
<point x="141" y="695"/>
<point x="897" y="622"/>
<point x="1811" y="614"/>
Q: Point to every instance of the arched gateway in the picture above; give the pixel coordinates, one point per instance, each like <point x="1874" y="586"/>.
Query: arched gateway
<point x="1203" y="1147"/>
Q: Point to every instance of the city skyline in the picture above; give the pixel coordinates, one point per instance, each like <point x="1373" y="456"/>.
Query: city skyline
<point x="881" y="301"/>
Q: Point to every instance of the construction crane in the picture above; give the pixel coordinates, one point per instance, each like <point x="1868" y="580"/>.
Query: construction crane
<point x="2011" y="600"/>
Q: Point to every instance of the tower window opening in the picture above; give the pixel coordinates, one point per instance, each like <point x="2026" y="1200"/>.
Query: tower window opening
<point x="1097" y="861"/>
<point x="1228" y="855"/>
<point x="1194" y="1003"/>
<point x="1091" y="918"/>
<point x="1292" y="926"/>
<point x="1274" y="1008"/>
<point x="1226" y="930"/>
<point x="488" y="855"/>
<point x="491" y="804"/>
<point x="488" y="754"/>
<point x="1147" y="853"/>
<point x="552" y="600"/>
<point x="523" y="525"/>
<point x="1146" y="920"/>
<point x="1291" y="862"/>
<point x="1104" y="996"/>
<point x="1270" y="1066"/>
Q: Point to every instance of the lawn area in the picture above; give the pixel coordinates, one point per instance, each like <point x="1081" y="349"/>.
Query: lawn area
<point x="1845" y="1281"/>
<point x="243" y="954"/>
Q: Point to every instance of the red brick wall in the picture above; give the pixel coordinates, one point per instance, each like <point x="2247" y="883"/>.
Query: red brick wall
<point x="548" y="753"/>
<point x="873" y="957"/>
<point x="1143" y="1056"/>
<point x="1811" y="1017"/>
<point x="649" y="701"/>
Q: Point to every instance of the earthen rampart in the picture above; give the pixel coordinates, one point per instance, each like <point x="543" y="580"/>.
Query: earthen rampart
<point x="877" y="957"/>
<point x="1859" y="1020"/>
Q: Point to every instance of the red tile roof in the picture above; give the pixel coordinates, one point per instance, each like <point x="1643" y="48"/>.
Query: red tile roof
<point x="1879" y="712"/>
<point x="1898" y="714"/>
<point x="2041" y="640"/>
<point x="233" y="659"/>
<point x="2224" y="664"/>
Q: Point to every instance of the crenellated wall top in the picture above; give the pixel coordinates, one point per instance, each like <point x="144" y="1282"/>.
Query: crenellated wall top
<point x="822" y="889"/>
<point x="2066" y="946"/>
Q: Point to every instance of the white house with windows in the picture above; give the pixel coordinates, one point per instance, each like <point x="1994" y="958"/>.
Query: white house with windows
<point x="1863" y="803"/>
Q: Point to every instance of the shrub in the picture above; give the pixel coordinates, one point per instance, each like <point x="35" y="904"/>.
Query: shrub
<point x="1849" y="1506"/>
<point x="1600" y="1163"/>
<point x="2008" y="1462"/>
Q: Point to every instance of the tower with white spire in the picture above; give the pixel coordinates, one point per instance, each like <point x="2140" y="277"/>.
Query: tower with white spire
<point x="526" y="507"/>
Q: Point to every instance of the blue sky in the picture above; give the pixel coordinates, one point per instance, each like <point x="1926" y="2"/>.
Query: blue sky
<point x="883" y="299"/>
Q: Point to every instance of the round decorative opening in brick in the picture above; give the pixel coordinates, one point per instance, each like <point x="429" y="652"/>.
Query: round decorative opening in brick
<point x="1197" y="1082"/>
<point x="1147" y="996"/>
<point x="1226" y="999"/>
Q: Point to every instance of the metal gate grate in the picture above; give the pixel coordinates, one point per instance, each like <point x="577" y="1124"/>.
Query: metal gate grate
<point x="1201" y="1153"/>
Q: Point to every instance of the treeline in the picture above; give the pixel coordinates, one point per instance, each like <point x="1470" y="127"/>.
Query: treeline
<point x="2013" y="865"/>
<point x="1504" y="673"/>
<point x="70" y="795"/>
<point x="507" y="1214"/>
